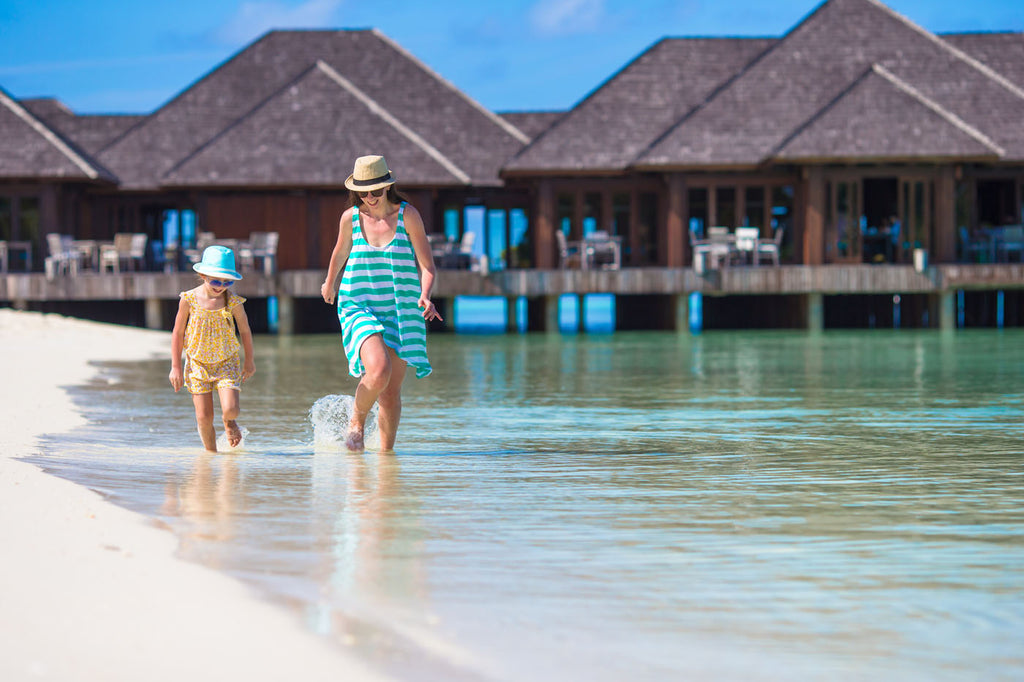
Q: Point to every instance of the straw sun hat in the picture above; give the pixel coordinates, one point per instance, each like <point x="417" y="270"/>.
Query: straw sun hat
<point x="218" y="261"/>
<point x="370" y="173"/>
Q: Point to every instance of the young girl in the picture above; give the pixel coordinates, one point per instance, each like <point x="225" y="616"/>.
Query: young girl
<point x="205" y="329"/>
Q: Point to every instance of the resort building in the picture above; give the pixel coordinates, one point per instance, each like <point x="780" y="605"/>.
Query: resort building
<point x="856" y="155"/>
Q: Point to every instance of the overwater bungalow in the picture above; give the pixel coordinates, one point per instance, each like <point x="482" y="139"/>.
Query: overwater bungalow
<point x="856" y="159"/>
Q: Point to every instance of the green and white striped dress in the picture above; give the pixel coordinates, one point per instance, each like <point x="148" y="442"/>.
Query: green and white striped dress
<point x="379" y="293"/>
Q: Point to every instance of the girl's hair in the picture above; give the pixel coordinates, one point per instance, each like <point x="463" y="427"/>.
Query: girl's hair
<point x="393" y="196"/>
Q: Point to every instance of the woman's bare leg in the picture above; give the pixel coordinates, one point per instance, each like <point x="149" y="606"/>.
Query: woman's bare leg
<point x="377" y="363"/>
<point x="204" y="419"/>
<point x="389" y="404"/>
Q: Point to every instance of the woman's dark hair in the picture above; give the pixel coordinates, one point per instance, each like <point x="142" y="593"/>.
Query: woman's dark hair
<point x="394" y="196"/>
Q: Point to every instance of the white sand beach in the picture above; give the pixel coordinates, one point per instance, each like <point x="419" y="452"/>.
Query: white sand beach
<point x="91" y="591"/>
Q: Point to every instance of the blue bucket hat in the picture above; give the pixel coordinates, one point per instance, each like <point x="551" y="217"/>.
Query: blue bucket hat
<point x="218" y="261"/>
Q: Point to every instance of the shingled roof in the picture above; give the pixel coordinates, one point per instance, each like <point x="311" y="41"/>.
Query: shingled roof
<point x="308" y="133"/>
<point x="92" y="132"/>
<point x="29" y="148"/>
<point x="531" y="123"/>
<point x="470" y="138"/>
<point x="1002" y="52"/>
<point x="617" y="121"/>
<point x="852" y="81"/>
<point x="743" y="124"/>
<point x="881" y="118"/>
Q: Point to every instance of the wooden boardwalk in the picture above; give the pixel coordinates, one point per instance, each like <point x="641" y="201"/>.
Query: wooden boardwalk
<point x="17" y="288"/>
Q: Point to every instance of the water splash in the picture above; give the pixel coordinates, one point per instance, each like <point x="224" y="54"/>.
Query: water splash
<point x="222" y="440"/>
<point x="330" y="416"/>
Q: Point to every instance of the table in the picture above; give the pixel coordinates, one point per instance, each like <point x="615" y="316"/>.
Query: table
<point x="89" y="250"/>
<point x="448" y="255"/>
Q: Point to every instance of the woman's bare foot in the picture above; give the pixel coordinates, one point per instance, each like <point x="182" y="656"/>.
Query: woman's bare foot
<point x="354" y="440"/>
<point x="233" y="433"/>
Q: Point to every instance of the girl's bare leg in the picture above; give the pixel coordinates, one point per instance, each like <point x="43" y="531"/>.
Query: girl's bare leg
<point x="389" y="404"/>
<point x="377" y="362"/>
<point x="229" y="408"/>
<point x="204" y="419"/>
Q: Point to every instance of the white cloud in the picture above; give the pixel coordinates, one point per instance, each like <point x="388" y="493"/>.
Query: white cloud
<point x="253" y="19"/>
<point x="559" y="17"/>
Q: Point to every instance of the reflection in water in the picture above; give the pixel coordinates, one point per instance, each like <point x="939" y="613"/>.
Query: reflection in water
<point x="762" y="506"/>
<point x="205" y="500"/>
<point x="354" y="498"/>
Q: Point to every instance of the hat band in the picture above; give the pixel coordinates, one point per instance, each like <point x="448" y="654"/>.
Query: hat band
<point x="374" y="181"/>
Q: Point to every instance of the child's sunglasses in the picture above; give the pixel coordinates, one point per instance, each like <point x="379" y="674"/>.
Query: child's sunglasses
<point x="221" y="282"/>
<point x="375" y="193"/>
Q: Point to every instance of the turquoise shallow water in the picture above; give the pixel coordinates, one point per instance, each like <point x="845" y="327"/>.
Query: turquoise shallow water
<point x="734" y="506"/>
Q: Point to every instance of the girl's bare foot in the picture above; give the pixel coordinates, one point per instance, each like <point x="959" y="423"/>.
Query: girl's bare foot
<point x="234" y="434"/>
<point x="354" y="440"/>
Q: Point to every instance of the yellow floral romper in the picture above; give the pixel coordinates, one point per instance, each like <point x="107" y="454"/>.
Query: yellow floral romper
<point x="212" y="358"/>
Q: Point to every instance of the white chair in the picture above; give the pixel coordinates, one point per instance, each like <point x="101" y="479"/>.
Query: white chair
<point x="137" y="251"/>
<point x="568" y="252"/>
<point x="717" y="249"/>
<point x="466" y="257"/>
<point x="203" y="240"/>
<point x="117" y="254"/>
<point x="63" y="259"/>
<point x="261" y="250"/>
<point x="1011" y="241"/>
<point x="747" y="239"/>
<point x="771" y="247"/>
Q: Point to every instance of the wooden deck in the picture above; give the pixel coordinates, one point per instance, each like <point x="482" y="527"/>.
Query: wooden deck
<point x="795" y="279"/>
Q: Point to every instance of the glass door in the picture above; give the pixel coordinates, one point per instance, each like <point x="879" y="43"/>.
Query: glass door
<point x="915" y="211"/>
<point x="843" y="221"/>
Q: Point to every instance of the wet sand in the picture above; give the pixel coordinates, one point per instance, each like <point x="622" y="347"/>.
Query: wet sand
<point x="91" y="591"/>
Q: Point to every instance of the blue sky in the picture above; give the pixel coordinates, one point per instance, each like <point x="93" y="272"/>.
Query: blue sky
<point x="105" y="56"/>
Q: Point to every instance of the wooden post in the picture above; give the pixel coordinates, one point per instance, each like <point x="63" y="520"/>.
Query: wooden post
<point x="675" y="223"/>
<point x="944" y="249"/>
<point x="512" y="319"/>
<point x="551" y="314"/>
<point x="814" y="217"/>
<point x="544" y="227"/>
<point x="814" y="312"/>
<point x="635" y="245"/>
<point x="285" y="315"/>
<point x="154" y="313"/>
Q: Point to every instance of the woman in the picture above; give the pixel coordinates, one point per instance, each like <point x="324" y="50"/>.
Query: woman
<point x="383" y="305"/>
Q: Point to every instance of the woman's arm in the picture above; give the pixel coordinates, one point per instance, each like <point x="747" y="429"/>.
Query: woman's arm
<point x="342" y="248"/>
<point x="425" y="260"/>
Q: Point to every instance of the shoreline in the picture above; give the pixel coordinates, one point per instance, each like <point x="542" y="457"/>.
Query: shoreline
<point x="92" y="591"/>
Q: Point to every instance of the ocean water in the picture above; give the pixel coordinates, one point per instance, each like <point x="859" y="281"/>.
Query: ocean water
<point x="641" y="506"/>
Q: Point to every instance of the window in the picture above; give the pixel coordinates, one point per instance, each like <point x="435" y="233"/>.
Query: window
<point x="6" y="218"/>
<point x="497" y="256"/>
<point x="28" y="219"/>
<point x="647" y="224"/>
<point x="725" y="206"/>
<point x="697" y="200"/>
<point x="519" y="224"/>
<point x="754" y="208"/>
<point x="620" y="214"/>
<point x="565" y="211"/>
<point x="592" y="213"/>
